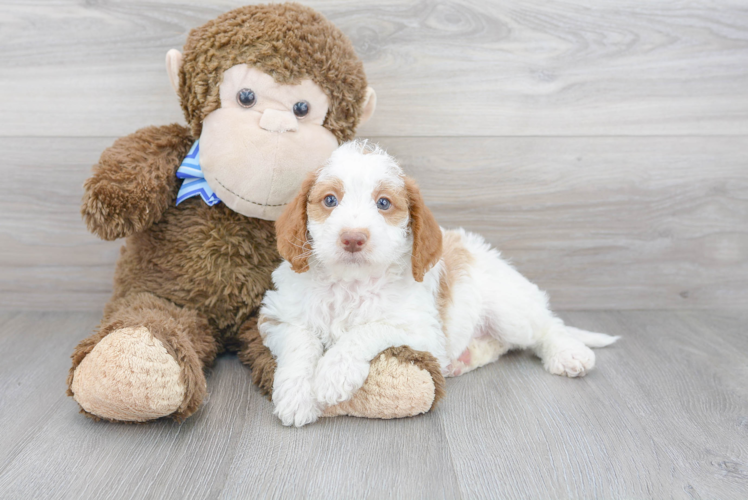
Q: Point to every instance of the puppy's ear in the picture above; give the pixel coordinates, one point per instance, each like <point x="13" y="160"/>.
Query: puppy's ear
<point x="427" y="235"/>
<point x="290" y="229"/>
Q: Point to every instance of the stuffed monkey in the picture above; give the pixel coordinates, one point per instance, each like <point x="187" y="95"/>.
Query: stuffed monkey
<point x="268" y="92"/>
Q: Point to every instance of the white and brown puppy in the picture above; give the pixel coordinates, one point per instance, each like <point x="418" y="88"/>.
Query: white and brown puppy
<point x="367" y="267"/>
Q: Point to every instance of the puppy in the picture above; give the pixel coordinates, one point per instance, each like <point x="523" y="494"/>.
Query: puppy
<point x="367" y="267"/>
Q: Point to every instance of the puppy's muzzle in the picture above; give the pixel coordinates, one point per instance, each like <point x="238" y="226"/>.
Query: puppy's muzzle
<point x="354" y="240"/>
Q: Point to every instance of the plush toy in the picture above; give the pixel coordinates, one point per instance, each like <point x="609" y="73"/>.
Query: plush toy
<point x="268" y="92"/>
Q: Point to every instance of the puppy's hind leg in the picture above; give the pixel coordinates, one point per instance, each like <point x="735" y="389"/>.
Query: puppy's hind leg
<point x="566" y="350"/>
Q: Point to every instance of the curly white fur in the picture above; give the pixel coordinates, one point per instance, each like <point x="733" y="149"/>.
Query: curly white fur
<point x="325" y="325"/>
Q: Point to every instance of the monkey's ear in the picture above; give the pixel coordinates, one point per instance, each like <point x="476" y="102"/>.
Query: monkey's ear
<point x="427" y="235"/>
<point x="173" y="65"/>
<point x="370" y="104"/>
<point x="290" y="229"/>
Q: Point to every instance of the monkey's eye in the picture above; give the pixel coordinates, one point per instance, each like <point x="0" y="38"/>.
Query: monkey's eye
<point x="301" y="109"/>
<point x="383" y="204"/>
<point x="246" y="98"/>
<point x="331" y="201"/>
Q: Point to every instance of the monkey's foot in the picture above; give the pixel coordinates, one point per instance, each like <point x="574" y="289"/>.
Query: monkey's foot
<point x="129" y="376"/>
<point x="401" y="383"/>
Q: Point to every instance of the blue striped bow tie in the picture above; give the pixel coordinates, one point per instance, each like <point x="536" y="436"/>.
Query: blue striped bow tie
<point x="194" y="181"/>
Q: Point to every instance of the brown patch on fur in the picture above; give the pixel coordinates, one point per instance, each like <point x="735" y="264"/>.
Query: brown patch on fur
<point x="398" y="197"/>
<point x="288" y="41"/>
<point x="291" y="230"/>
<point x="185" y="334"/>
<point x="427" y="235"/>
<point x="457" y="259"/>
<point x="316" y="209"/>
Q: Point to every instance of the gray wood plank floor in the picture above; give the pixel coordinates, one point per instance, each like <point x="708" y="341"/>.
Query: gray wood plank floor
<point x="664" y="415"/>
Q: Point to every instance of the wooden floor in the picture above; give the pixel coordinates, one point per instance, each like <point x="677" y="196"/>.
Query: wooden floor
<point x="665" y="415"/>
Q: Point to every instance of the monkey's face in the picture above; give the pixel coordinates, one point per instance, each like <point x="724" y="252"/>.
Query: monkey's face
<point x="259" y="145"/>
<point x="259" y="138"/>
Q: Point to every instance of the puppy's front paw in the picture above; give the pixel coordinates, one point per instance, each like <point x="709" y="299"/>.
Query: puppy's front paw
<point x="571" y="361"/>
<point x="339" y="377"/>
<point x="295" y="404"/>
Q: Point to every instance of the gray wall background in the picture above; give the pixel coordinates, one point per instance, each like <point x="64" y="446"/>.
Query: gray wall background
<point x="602" y="146"/>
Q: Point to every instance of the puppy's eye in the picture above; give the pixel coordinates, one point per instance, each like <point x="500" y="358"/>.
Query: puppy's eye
<point x="330" y="201"/>
<point x="383" y="204"/>
<point x="246" y="98"/>
<point x="301" y="109"/>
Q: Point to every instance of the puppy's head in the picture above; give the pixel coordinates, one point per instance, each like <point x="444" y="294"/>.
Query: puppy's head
<point x="359" y="212"/>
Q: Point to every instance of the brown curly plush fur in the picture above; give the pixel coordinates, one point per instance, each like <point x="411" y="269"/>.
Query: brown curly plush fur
<point x="134" y="182"/>
<point x="210" y="259"/>
<point x="288" y="41"/>
<point x="255" y="354"/>
<point x="194" y="275"/>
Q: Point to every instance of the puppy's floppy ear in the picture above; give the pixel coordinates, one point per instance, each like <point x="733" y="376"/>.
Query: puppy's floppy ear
<point x="427" y="235"/>
<point x="290" y="229"/>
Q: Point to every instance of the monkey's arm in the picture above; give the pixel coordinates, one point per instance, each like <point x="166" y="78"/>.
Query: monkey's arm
<point x="135" y="181"/>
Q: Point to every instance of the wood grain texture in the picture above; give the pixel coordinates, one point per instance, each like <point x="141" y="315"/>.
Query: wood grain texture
<point x="654" y="418"/>
<point x="609" y="223"/>
<point x="624" y="223"/>
<point x="456" y="68"/>
<point x="48" y="260"/>
<point x="664" y="415"/>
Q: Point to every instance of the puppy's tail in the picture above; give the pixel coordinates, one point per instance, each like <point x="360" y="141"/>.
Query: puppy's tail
<point x="591" y="339"/>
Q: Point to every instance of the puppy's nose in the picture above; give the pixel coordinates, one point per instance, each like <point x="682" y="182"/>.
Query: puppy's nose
<point x="274" y="120"/>
<point x="354" y="241"/>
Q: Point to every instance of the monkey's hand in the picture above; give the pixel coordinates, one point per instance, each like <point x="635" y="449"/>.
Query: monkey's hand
<point x="135" y="181"/>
